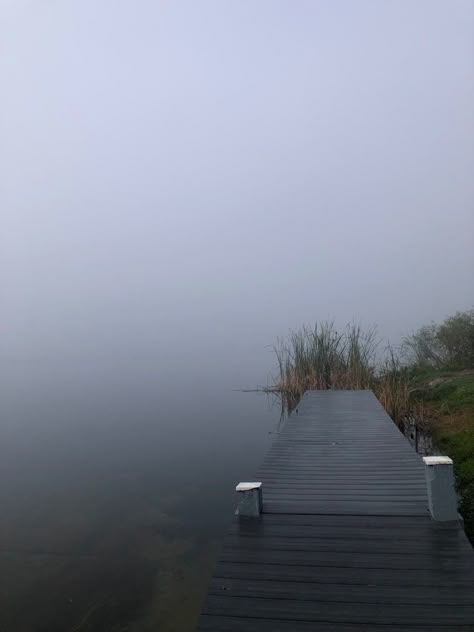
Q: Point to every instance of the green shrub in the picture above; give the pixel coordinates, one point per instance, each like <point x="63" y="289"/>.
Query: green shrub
<point x="446" y="346"/>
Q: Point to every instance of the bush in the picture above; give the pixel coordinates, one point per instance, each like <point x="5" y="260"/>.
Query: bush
<point x="456" y="337"/>
<point x="446" y="346"/>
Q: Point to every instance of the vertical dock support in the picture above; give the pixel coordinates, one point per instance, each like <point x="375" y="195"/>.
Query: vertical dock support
<point x="250" y="502"/>
<point x="442" y="497"/>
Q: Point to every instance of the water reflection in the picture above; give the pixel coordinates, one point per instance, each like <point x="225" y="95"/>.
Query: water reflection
<point x="417" y="431"/>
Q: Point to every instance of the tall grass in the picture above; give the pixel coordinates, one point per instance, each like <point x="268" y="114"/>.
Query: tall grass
<point x="392" y="387"/>
<point x="323" y="358"/>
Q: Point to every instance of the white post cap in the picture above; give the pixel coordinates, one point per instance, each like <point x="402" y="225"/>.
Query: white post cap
<point x="437" y="460"/>
<point x="246" y="487"/>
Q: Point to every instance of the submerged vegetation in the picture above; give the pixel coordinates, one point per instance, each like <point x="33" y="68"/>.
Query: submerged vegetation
<point x="427" y="383"/>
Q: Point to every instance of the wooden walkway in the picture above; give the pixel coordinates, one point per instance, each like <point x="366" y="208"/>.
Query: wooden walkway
<point x="346" y="542"/>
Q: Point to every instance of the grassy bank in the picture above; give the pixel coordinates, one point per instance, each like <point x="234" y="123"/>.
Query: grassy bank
<point x="448" y="401"/>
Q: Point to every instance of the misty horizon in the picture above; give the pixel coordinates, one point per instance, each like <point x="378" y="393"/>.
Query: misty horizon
<point x="202" y="178"/>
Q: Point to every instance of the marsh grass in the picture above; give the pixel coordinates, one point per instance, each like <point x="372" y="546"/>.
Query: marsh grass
<point x="392" y="387"/>
<point x="323" y="358"/>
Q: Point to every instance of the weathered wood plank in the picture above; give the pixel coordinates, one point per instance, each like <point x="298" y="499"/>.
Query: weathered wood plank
<point x="339" y="612"/>
<point x="249" y="624"/>
<point x="461" y="579"/>
<point x="347" y="593"/>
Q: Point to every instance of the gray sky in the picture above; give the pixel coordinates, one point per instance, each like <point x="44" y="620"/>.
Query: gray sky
<point x="185" y="181"/>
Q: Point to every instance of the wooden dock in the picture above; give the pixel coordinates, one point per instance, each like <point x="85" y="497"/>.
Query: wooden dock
<point x="345" y="541"/>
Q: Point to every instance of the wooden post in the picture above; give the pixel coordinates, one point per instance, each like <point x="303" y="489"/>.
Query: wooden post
<point x="442" y="498"/>
<point x="250" y="502"/>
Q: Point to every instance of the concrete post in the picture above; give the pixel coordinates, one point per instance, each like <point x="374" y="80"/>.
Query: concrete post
<point x="250" y="501"/>
<point x="442" y="498"/>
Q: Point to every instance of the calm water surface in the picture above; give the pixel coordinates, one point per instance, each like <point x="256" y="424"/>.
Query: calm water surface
<point x="115" y="489"/>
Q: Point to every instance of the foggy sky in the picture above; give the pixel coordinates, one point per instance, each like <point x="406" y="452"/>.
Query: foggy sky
<point x="186" y="181"/>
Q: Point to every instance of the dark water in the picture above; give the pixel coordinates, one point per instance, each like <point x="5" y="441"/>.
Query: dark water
<point x="115" y="489"/>
<point x="418" y="433"/>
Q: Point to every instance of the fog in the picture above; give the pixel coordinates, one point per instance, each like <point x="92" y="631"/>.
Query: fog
<point x="186" y="181"/>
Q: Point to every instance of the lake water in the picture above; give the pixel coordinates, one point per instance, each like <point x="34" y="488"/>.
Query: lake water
<point x="116" y="487"/>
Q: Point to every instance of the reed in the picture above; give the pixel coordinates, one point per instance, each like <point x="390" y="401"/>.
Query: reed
<point x="392" y="387"/>
<point x="323" y="358"/>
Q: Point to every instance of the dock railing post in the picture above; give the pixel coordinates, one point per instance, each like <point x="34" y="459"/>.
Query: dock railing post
<point x="442" y="497"/>
<point x="250" y="501"/>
